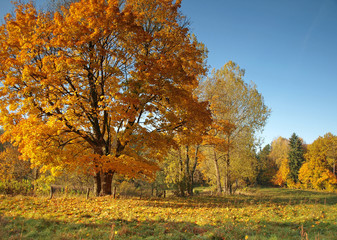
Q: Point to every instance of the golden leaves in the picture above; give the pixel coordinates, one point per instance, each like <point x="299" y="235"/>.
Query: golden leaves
<point x="95" y="84"/>
<point x="317" y="171"/>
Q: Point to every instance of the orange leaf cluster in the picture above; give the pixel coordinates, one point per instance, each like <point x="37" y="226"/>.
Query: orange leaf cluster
<point x="99" y="78"/>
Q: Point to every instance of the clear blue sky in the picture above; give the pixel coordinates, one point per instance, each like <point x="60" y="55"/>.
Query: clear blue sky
<point x="288" y="48"/>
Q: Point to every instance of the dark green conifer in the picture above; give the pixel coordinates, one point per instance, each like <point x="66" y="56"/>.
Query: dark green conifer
<point x="296" y="157"/>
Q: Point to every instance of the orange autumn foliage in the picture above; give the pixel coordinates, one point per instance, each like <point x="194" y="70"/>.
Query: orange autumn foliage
<point x="99" y="85"/>
<point x="281" y="177"/>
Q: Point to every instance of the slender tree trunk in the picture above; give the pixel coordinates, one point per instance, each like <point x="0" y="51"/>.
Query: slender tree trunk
<point x="36" y="173"/>
<point x="97" y="184"/>
<point x="227" y="178"/>
<point x="114" y="192"/>
<point x="191" y="187"/>
<point x="88" y="192"/>
<point x="228" y="184"/>
<point x="181" y="176"/>
<point x="187" y="171"/>
<point x="36" y="176"/>
<point x="194" y="167"/>
<point x="217" y="171"/>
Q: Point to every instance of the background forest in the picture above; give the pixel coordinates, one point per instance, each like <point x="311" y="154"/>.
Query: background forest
<point x="189" y="170"/>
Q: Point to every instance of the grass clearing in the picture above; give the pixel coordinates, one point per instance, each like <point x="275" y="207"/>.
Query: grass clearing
<point x="266" y="213"/>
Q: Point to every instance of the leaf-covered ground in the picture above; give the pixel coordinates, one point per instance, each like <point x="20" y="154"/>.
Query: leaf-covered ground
<point x="261" y="214"/>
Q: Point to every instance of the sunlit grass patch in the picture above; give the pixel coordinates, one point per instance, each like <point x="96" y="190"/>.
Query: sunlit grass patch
<point x="265" y="214"/>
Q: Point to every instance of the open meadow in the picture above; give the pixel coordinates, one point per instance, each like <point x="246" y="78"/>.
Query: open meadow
<point x="266" y="213"/>
<point x="140" y="124"/>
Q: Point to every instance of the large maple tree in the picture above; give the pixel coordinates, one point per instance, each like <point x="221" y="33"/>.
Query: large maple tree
<point x="100" y="86"/>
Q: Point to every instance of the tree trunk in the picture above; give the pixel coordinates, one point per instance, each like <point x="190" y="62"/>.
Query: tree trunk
<point x="217" y="171"/>
<point x="181" y="189"/>
<point x="227" y="181"/>
<point x="97" y="184"/>
<point x="52" y="190"/>
<point x="36" y="176"/>
<point x="228" y="184"/>
<point x="190" y="187"/>
<point x="182" y="179"/>
<point x="36" y="173"/>
<point x="187" y="172"/>
<point x="114" y="192"/>
<point x="194" y="167"/>
<point x="107" y="183"/>
<point x="88" y="192"/>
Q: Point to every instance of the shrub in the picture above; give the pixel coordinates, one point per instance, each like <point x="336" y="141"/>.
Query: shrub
<point x="15" y="187"/>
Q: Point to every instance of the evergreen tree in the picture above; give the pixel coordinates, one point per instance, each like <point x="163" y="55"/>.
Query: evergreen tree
<point x="296" y="157"/>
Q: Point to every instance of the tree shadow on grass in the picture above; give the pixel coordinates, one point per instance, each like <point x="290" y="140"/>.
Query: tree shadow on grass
<point x="286" y="195"/>
<point x="41" y="229"/>
<point x="36" y="229"/>
<point x="278" y="196"/>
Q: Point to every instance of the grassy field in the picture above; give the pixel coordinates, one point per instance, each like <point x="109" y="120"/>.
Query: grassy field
<point x="267" y="213"/>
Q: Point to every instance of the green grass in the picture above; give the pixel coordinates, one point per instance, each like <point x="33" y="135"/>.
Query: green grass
<point x="266" y="213"/>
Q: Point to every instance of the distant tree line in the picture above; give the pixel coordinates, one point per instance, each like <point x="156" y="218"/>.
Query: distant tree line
<point x="292" y="163"/>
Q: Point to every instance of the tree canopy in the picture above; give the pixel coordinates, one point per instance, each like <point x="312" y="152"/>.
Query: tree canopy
<point x="99" y="85"/>
<point x="318" y="170"/>
<point x="238" y="112"/>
